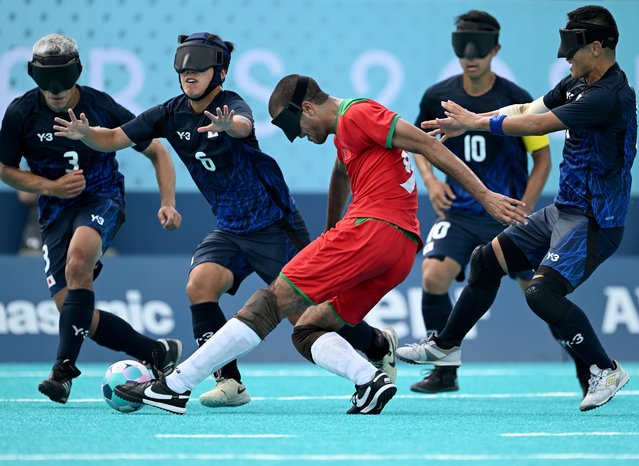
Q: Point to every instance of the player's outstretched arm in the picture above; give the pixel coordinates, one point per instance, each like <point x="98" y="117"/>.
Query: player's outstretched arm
<point x="236" y="126"/>
<point x="101" y="139"/>
<point x="168" y="216"/>
<point x="411" y="139"/>
<point x="67" y="186"/>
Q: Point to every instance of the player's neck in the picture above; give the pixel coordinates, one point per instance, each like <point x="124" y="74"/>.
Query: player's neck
<point x="199" y="106"/>
<point x="598" y="71"/>
<point x="480" y="85"/>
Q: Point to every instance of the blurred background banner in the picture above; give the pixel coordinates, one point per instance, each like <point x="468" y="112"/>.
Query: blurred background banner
<point x="149" y="293"/>
<point x="388" y="51"/>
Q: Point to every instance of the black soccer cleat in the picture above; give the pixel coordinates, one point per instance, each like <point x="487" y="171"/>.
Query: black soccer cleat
<point x="154" y="393"/>
<point x="58" y="386"/>
<point x="441" y="379"/>
<point x="166" y="356"/>
<point x="371" y="397"/>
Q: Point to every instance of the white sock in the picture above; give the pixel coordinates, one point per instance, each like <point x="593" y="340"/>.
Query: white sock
<point x="232" y="341"/>
<point x="336" y="355"/>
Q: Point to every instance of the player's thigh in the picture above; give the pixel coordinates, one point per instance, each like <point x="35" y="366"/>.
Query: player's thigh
<point x="533" y="237"/>
<point x="220" y="248"/>
<point x="578" y="246"/>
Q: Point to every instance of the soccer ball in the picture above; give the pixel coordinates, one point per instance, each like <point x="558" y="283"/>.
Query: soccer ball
<point x="120" y="373"/>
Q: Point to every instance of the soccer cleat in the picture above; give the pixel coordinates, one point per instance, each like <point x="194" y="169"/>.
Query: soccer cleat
<point x="388" y="364"/>
<point x="154" y="393"/>
<point x="166" y="357"/>
<point x="58" y="386"/>
<point x="441" y="379"/>
<point x="603" y="385"/>
<point x="371" y="397"/>
<point x="427" y="352"/>
<point x="227" y="393"/>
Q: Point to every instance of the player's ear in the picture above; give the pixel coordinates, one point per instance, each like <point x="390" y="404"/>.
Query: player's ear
<point x="496" y="50"/>
<point x="308" y="107"/>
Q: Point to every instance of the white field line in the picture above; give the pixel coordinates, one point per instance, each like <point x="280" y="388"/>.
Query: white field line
<point x="476" y="396"/>
<point x="200" y="436"/>
<point x="569" y="434"/>
<point x="259" y="457"/>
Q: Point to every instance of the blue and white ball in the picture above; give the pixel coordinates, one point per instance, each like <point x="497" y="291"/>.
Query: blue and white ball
<point x="120" y="373"/>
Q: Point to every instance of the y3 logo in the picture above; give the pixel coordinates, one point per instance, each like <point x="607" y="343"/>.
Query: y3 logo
<point x="184" y="135"/>
<point x="97" y="218"/>
<point x="552" y="256"/>
<point x="80" y="331"/>
<point x="45" y="137"/>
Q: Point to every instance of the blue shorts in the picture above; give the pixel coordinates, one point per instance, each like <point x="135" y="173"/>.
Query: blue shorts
<point x="264" y="252"/>
<point x="565" y="241"/>
<point x="457" y="235"/>
<point x="102" y="214"/>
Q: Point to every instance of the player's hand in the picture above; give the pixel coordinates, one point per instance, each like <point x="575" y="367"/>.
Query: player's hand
<point x="68" y="186"/>
<point x="441" y="196"/>
<point x="467" y="119"/>
<point x="169" y="218"/>
<point x="73" y="129"/>
<point x="504" y="209"/>
<point x="444" y="127"/>
<point x="221" y="121"/>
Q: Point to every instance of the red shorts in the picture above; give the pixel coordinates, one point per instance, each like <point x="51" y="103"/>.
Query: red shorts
<point x="352" y="266"/>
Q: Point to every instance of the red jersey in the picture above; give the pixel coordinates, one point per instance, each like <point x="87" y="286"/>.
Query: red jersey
<point x="382" y="179"/>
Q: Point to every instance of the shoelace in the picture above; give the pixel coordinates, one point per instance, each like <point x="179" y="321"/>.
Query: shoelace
<point x="594" y="381"/>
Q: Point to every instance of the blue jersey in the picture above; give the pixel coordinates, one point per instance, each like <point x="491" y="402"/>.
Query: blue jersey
<point x="27" y="131"/>
<point x="499" y="162"/>
<point x="244" y="187"/>
<point x="600" y="145"/>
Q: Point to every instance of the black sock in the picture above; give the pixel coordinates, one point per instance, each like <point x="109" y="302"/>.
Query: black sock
<point x="117" y="334"/>
<point x="208" y="318"/>
<point x="436" y="309"/>
<point x="361" y="337"/>
<point x="75" y="320"/>
<point x="577" y="333"/>
<point x="581" y="367"/>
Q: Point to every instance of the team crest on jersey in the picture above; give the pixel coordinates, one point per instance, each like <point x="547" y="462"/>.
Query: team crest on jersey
<point x="212" y="134"/>
<point x="50" y="281"/>
<point x="347" y="155"/>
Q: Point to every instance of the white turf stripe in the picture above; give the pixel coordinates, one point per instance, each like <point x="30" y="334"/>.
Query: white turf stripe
<point x="73" y="457"/>
<point x="568" y="434"/>
<point x="476" y="396"/>
<point x="269" y="436"/>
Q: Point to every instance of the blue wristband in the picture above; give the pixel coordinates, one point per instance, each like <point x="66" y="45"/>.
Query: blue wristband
<point x="495" y="123"/>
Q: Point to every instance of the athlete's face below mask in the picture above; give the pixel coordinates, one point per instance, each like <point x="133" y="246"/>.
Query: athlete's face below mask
<point x="581" y="62"/>
<point x="312" y="128"/>
<point x="476" y="67"/>
<point x="195" y="83"/>
<point x="59" y="102"/>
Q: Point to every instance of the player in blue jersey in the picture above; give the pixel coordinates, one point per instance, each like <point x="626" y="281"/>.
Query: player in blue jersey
<point x="500" y="162"/>
<point x="259" y="228"/>
<point x="566" y="241"/>
<point x="81" y="205"/>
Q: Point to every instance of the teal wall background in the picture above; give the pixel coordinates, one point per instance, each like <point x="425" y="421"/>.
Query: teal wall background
<point x="390" y="51"/>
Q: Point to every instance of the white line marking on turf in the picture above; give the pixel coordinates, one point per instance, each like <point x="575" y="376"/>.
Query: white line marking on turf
<point x="475" y="396"/>
<point x="269" y="436"/>
<point x="311" y="458"/>
<point x="568" y="434"/>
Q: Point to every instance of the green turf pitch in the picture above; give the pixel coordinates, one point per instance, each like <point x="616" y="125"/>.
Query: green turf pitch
<point x="504" y="414"/>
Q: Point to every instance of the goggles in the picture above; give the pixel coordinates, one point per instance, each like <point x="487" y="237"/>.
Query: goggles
<point x="577" y="35"/>
<point x="55" y="73"/>
<point x="474" y="44"/>
<point x="199" y="52"/>
<point x="288" y="120"/>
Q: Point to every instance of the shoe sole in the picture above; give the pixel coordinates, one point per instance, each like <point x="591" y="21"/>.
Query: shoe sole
<point x="439" y="363"/>
<point x="381" y="399"/>
<point x="156" y="404"/>
<point x="215" y="404"/>
<point x="52" y="392"/>
<point x="611" y="397"/>
<point x="440" y="390"/>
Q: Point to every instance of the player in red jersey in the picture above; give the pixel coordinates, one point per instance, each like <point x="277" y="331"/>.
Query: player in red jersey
<point x="339" y="277"/>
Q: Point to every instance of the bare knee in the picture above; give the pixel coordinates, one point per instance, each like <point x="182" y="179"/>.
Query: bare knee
<point x="207" y="282"/>
<point x="437" y="276"/>
<point x="79" y="269"/>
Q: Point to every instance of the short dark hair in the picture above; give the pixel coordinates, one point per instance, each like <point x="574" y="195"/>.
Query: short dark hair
<point x="283" y="93"/>
<point x="593" y="14"/>
<point x="229" y="45"/>
<point x="481" y="21"/>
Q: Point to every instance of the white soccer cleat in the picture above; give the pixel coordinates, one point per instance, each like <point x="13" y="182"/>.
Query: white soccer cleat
<point x="227" y="393"/>
<point x="427" y="352"/>
<point x="388" y="364"/>
<point x="603" y="385"/>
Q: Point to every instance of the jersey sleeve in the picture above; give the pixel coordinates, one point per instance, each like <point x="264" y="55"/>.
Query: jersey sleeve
<point x="11" y="138"/>
<point x="372" y="124"/>
<point x="590" y="109"/>
<point x="240" y="107"/>
<point x="557" y="96"/>
<point x="120" y="115"/>
<point x="425" y="108"/>
<point x="146" y="126"/>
